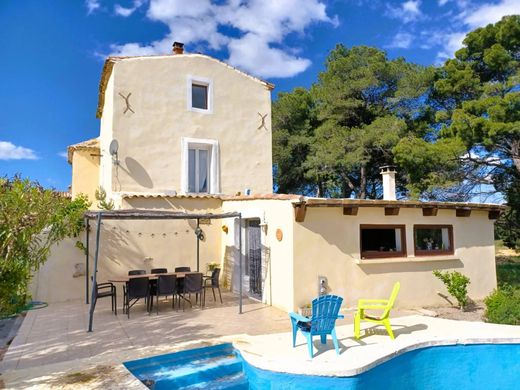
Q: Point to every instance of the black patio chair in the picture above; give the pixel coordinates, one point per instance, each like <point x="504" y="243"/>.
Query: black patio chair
<point x="213" y="283"/>
<point x="180" y="281"/>
<point x="135" y="289"/>
<point x="192" y="285"/>
<point x="159" y="271"/>
<point x="166" y="286"/>
<point x="153" y="282"/>
<point x="136" y="272"/>
<point x="105" y="290"/>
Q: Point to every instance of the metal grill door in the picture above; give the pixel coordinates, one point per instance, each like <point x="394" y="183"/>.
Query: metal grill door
<point x="254" y="258"/>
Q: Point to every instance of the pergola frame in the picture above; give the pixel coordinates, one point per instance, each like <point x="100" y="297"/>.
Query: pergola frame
<point x="137" y="214"/>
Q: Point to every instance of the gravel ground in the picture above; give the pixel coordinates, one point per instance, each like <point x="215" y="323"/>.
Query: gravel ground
<point x="474" y="312"/>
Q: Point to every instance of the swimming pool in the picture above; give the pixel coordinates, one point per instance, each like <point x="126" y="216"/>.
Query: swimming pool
<point x="474" y="366"/>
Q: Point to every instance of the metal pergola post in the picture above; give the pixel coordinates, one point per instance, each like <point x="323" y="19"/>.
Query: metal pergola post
<point x="87" y="233"/>
<point x="240" y="261"/>
<point x="94" y="276"/>
<point x="198" y="244"/>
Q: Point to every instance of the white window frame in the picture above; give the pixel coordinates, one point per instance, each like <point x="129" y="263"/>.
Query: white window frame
<point x="200" y="81"/>
<point x="214" y="170"/>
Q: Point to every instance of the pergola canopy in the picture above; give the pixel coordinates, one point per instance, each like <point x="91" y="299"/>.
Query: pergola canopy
<point x="156" y="214"/>
<point x="144" y="214"/>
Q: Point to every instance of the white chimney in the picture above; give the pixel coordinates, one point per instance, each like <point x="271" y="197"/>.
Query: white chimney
<point x="388" y="173"/>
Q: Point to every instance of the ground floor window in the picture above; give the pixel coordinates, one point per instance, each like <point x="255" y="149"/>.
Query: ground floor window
<point x="433" y="239"/>
<point x="379" y="241"/>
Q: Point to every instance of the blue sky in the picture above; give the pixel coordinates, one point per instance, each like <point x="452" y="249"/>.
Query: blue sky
<point x="53" y="50"/>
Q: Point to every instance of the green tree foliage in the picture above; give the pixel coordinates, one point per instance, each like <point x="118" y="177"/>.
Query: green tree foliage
<point x="294" y="119"/>
<point x="331" y="140"/>
<point x="32" y="219"/>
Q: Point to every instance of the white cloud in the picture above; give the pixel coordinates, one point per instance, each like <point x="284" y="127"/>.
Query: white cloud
<point x="269" y="61"/>
<point x="92" y="6"/>
<point x="471" y="18"/>
<point x="402" y="40"/>
<point x="442" y="2"/>
<point x="261" y="27"/>
<point x="491" y="13"/>
<point x="127" y="11"/>
<point x="63" y="154"/>
<point x="451" y="43"/>
<point x="408" y="11"/>
<point x="9" y="151"/>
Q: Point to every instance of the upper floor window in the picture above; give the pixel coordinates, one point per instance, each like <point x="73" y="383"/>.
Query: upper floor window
<point x="198" y="169"/>
<point x="433" y="239"/>
<point x="200" y="94"/>
<point x="379" y="241"/>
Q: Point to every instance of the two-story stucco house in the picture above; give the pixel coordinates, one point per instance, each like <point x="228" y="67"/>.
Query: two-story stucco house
<point x="189" y="133"/>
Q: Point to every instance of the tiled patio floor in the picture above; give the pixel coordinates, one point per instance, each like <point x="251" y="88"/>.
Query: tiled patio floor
<point x="58" y="332"/>
<point x="54" y="340"/>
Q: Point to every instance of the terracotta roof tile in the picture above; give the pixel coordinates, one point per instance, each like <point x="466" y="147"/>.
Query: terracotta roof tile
<point x="85" y="145"/>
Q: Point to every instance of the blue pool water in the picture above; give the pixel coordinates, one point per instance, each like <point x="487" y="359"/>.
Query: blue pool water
<point x="481" y="366"/>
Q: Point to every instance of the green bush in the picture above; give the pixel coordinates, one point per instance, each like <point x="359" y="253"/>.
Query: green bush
<point x="457" y="285"/>
<point x="503" y="305"/>
<point x="32" y="219"/>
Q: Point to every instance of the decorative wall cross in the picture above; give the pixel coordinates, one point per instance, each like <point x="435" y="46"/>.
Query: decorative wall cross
<point x="127" y="101"/>
<point x="262" y="117"/>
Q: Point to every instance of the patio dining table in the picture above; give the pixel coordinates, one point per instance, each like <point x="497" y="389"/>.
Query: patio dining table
<point x="124" y="279"/>
<point x="179" y="275"/>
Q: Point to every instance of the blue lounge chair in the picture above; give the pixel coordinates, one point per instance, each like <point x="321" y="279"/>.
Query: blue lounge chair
<point x="325" y="311"/>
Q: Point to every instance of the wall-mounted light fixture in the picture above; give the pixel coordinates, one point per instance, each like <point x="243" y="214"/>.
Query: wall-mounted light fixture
<point x="263" y="225"/>
<point x="200" y="234"/>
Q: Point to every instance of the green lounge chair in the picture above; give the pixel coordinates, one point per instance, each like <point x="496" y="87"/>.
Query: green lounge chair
<point x="325" y="311"/>
<point x="376" y="304"/>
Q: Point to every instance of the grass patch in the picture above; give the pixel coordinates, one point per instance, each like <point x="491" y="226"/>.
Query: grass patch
<point x="509" y="273"/>
<point x="508" y="265"/>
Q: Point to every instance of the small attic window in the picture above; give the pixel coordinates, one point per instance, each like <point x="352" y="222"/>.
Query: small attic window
<point x="199" y="97"/>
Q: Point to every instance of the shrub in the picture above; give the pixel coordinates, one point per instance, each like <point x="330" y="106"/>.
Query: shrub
<point x="457" y="285"/>
<point x="509" y="273"/>
<point x="503" y="305"/>
<point x="32" y="219"/>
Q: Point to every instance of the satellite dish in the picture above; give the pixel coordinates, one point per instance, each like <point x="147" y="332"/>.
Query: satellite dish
<point x="114" y="147"/>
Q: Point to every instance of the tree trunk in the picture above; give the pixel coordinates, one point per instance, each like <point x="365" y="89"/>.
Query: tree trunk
<point x="515" y="154"/>
<point x="363" y="182"/>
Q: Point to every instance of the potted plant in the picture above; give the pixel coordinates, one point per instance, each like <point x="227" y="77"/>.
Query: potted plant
<point x="211" y="266"/>
<point x="305" y="310"/>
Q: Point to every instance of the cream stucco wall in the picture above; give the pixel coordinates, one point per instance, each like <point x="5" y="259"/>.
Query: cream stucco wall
<point x="276" y="255"/>
<point x="105" y="137"/>
<point x="327" y="243"/>
<point x="131" y="244"/>
<point x="85" y="173"/>
<point x="150" y="139"/>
